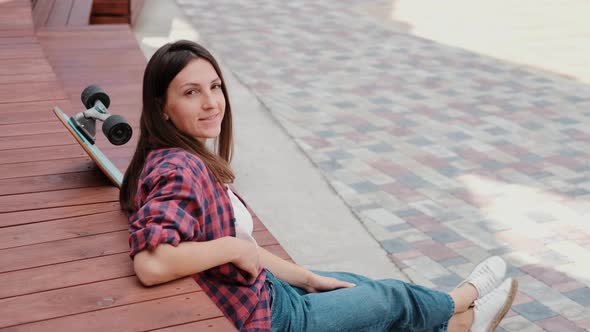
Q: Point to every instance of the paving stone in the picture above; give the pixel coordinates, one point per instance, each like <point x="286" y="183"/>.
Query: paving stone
<point x="395" y="246"/>
<point x="559" y="324"/>
<point x="444" y="235"/>
<point x="534" y="311"/>
<point x="519" y="324"/>
<point x="580" y="295"/>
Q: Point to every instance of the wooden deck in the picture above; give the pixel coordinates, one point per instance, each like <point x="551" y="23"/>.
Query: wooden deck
<point x="64" y="263"/>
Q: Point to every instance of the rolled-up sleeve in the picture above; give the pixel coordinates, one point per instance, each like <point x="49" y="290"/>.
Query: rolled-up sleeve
<point x="169" y="210"/>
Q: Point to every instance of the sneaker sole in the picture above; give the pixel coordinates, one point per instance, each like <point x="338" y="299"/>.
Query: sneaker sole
<point x="500" y="315"/>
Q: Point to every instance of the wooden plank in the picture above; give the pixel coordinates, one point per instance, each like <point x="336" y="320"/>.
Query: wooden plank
<point x="102" y="34"/>
<point x="63" y="275"/>
<point x="33" y="216"/>
<point x="110" y="7"/>
<point x="79" y="41"/>
<point x="29" y="141"/>
<point x="220" y="324"/>
<point x="278" y="250"/>
<point x="110" y="20"/>
<point x="49" y="253"/>
<point x="23" y="51"/>
<point x="16" y="32"/>
<point x="62" y="229"/>
<point x="118" y="93"/>
<point x="8" y="41"/>
<point x="58" y="198"/>
<point x="264" y="238"/>
<point x="258" y="226"/>
<point x="35" y="106"/>
<point x="29" y="77"/>
<point x="46" y="167"/>
<point x="15" y="4"/>
<point x="15" y="17"/>
<point x="109" y="80"/>
<point x="83" y="29"/>
<point x="28" y="112"/>
<point x="86" y="298"/>
<point x="24" y="66"/>
<point x="119" y="96"/>
<point x="59" y="13"/>
<point x="95" y="59"/>
<point x="31" y="91"/>
<point x="31" y="128"/>
<point x="42" y="153"/>
<point x="117" y="74"/>
<point x="80" y="14"/>
<point x="143" y="316"/>
<point x="26" y="117"/>
<point x="35" y="184"/>
<point x="53" y="139"/>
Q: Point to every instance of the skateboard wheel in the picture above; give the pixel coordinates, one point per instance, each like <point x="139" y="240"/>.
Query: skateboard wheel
<point x="117" y="130"/>
<point x="92" y="93"/>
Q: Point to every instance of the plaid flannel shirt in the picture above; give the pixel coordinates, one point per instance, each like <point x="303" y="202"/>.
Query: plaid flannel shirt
<point x="179" y="200"/>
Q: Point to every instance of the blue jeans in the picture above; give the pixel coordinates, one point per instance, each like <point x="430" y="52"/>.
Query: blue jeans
<point x="372" y="305"/>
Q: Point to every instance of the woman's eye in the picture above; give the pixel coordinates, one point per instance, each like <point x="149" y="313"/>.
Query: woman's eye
<point x="216" y="86"/>
<point x="191" y="92"/>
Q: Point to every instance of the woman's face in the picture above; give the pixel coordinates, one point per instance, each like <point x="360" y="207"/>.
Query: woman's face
<point x="194" y="101"/>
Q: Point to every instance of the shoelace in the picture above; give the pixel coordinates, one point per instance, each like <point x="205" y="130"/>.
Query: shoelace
<point x="477" y="278"/>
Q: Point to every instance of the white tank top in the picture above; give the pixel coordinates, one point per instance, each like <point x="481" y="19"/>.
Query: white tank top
<point x="244" y="223"/>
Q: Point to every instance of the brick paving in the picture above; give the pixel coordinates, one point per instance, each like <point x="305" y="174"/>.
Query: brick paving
<point x="446" y="156"/>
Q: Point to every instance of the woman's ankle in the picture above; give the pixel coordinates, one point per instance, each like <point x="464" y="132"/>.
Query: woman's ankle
<point x="464" y="296"/>
<point x="461" y="322"/>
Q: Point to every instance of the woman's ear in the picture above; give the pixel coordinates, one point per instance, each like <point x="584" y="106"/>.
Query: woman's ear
<point x="160" y="105"/>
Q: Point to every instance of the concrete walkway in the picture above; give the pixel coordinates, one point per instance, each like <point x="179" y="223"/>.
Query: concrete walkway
<point x="287" y="192"/>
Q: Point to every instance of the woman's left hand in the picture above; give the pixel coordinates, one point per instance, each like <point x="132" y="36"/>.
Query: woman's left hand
<point x="317" y="284"/>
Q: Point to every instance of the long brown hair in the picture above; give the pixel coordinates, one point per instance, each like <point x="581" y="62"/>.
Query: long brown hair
<point x="157" y="133"/>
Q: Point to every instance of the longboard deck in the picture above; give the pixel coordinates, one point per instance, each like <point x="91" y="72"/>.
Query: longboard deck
<point x="105" y="165"/>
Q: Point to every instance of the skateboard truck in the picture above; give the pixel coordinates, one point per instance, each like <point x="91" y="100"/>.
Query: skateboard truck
<point x="114" y="127"/>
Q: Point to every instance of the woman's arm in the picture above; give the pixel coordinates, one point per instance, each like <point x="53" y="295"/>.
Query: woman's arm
<point x="167" y="262"/>
<point x="298" y="276"/>
<point x="291" y="273"/>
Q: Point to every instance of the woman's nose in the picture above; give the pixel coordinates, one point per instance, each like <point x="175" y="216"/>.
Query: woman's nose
<point x="207" y="100"/>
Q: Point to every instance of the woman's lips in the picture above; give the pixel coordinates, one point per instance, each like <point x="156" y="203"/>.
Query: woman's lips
<point x="210" y="118"/>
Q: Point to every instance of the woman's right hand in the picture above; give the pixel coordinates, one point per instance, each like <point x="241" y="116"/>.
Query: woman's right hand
<point x="247" y="258"/>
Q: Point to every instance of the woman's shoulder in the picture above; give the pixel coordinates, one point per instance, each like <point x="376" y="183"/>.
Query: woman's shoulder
<point x="172" y="159"/>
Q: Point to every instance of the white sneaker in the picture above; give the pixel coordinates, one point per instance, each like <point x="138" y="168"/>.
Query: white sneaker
<point x="486" y="276"/>
<point x="491" y="309"/>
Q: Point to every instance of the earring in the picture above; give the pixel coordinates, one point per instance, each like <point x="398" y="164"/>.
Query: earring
<point x="166" y="117"/>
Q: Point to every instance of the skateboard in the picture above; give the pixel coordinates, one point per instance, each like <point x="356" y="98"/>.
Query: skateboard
<point x="83" y="127"/>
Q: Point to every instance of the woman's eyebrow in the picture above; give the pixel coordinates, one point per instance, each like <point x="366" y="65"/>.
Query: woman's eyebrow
<point x="217" y="80"/>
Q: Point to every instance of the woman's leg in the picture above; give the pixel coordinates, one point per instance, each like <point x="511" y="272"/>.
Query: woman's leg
<point x="461" y="322"/>
<point x="464" y="296"/>
<point x="383" y="305"/>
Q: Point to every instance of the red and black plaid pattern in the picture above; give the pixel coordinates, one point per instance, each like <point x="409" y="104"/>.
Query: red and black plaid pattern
<point x="179" y="200"/>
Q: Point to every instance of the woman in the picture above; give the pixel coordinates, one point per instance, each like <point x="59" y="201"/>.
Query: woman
<point x="185" y="221"/>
